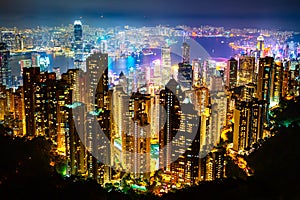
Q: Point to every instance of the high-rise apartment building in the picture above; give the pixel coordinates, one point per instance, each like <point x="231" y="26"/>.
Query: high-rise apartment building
<point x="137" y="140"/>
<point x="247" y="123"/>
<point x="185" y="53"/>
<point x="276" y="83"/>
<point x="218" y="102"/>
<point x="212" y="166"/>
<point x="264" y="83"/>
<point x="31" y="79"/>
<point x="186" y="146"/>
<point x="201" y="101"/>
<point x="170" y="99"/>
<point x="5" y="69"/>
<point x="73" y="115"/>
<point x="197" y="73"/>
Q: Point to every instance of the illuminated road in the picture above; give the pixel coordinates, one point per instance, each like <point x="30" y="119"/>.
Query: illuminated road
<point x="240" y="161"/>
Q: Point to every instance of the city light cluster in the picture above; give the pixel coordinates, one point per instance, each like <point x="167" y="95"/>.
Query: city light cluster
<point x="162" y="122"/>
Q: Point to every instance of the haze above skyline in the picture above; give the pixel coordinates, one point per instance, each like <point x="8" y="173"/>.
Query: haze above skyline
<point x="103" y="13"/>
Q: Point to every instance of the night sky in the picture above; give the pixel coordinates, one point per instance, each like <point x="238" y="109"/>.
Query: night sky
<point x="283" y="14"/>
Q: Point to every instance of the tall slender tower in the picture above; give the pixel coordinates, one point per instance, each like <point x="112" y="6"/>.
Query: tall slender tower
<point x="232" y="73"/>
<point x="139" y="135"/>
<point x="78" y="43"/>
<point x="264" y="81"/>
<point x="185" y="53"/>
<point x="99" y="105"/>
<point x="96" y="66"/>
<point x="75" y="142"/>
<point x="170" y="99"/>
<point x="166" y="64"/>
<point x="260" y="45"/>
<point x="5" y="70"/>
<point x="185" y="168"/>
<point x="185" y="69"/>
<point x="30" y="80"/>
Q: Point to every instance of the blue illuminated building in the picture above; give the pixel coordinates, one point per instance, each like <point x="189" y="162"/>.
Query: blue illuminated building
<point x="78" y="43"/>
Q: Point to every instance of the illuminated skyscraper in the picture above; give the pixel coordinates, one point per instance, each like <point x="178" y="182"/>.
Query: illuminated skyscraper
<point x="212" y="166"/>
<point x="64" y="119"/>
<point x="179" y="140"/>
<point x="120" y="120"/>
<point x="45" y="106"/>
<point x="119" y="111"/>
<point x="138" y="138"/>
<point x="285" y="79"/>
<point x="166" y="64"/>
<point x="246" y="70"/>
<point x="197" y="73"/>
<point x="17" y="108"/>
<point x="97" y="71"/>
<point x="185" y="169"/>
<point x="5" y="69"/>
<point x="170" y="99"/>
<point x="76" y="151"/>
<point x="291" y="80"/>
<point x="218" y="109"/>
<point x="264" y="81"/>
<point x="131" y="81"/>
<point x="9" y="38"/>
<point x="157" y="73"/>
<point x="185" y="53"/>
<point x="103" y="45"/>
<point x="19" y="42"/>
<point x="247" y="123"/>
<point x="73" y="77"/>
<point x="185" y="73"/>
<point x="98" y="124"/>
<point x="40" y="102"/>
<point x="78" y="43"/>
<point x="201" y="101"/>
<point x="260" y="45"/>
<point x="30" y="81"/>
<point x="68" y="142"/>
<point x="154" y="129"/>
<point x="276" y="84"/>
<point x="232" y="73"/>
<point x="185" y="69"/>
<point x="3" y="102"/>
<point x="249" y="92"/>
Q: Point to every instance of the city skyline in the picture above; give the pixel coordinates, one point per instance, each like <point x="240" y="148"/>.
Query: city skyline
<point x="147" y="111"/>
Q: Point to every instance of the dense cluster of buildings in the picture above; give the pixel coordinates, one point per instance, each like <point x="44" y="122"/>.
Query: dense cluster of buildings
<point x="152" y="117"/>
